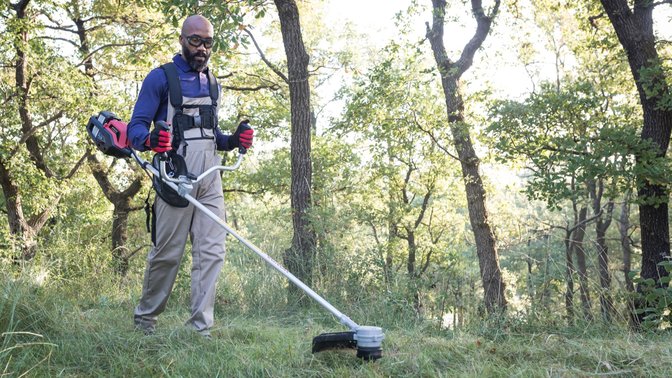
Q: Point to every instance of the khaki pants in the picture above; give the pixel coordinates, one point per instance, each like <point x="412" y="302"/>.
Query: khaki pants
<point x="173" y="225"/>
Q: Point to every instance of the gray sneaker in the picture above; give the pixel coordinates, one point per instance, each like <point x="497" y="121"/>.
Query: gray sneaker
<point x="148" y="327"/>
<point x="205" y="333"/>
<point x="207" y="336"/>
<point x="147" y="330"/>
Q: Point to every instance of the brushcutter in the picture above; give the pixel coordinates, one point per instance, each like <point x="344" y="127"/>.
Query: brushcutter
<point x="109" y="134"/>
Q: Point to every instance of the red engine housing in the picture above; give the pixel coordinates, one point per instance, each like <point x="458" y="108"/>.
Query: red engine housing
<point x="109" y="134"/>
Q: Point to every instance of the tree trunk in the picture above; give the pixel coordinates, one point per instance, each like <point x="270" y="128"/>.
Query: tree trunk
<point x="528" y="281"/>
<point x="606" y="303"/>
<point x="391" y="238"/>
<point x="119" y="237"/>
<point x="577" y="246"/>
<point x="601" y="226"/>
<point x="491" y="276"/>
<point x="634" y="28"/>
<point x="569" y="277"/>
<point x="626" y="246"/>
<point x="121" y="200"/>
<point x="545" y="299"/>
<point x="18" y="224"/>
<point x="392" y="226"/>
<point x="299" y="257"/>
<point x="602" y="223"/>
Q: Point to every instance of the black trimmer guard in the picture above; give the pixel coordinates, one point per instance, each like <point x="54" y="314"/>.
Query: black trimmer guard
<point x="366" y="340"/>
<point x="335" y="340"/>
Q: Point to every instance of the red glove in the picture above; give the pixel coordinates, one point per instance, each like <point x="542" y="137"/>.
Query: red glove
<point x="160" y="139"/>
<point x="246" y="137"/>
<point x="242" y="137"/>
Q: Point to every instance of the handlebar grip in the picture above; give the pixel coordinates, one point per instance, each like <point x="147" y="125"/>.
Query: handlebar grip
<point x="165" y="126"/>
<point x="245" y="125"/>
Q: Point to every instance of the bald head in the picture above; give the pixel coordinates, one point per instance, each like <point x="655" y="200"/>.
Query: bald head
<point x="197" y="24"/>
<point x="197" y="41"/>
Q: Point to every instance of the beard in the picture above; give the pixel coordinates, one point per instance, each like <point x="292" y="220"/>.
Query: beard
<point x="196" y="65"/>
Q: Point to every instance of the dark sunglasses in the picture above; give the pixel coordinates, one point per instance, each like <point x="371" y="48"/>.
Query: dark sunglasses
<point x="196" y="41"/>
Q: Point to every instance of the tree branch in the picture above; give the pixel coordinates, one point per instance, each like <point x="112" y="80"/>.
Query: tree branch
<point x="657" y="3"/>
<point x="75" y="168"/>
<point x="38" y="220"/>
<point x="20" y="6"/>
<point x="425" y="266"/>
<point x="263" y="57"/>
<point x="59" y="39"/>
<point x="33" y="130"/>
<point x="272" y="87"/>
<point x="423" y="209"/>
<point x="593" y="20"/>
<point x="59" y="27"/>
<point x="483" y="23"/>
<point x="434" y="139"/>
<point x="89" y="55"/>
<point x="131" y="254"/>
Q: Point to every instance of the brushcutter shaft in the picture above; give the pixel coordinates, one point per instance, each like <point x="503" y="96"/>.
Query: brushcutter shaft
<point x="342" y="318"/>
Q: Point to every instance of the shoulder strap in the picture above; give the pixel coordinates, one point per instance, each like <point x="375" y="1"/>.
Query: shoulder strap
<point x="214" y="89"/>
<point x="174" y="89"/>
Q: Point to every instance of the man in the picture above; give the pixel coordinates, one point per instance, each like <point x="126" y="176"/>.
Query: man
<point x="183" y="95"/>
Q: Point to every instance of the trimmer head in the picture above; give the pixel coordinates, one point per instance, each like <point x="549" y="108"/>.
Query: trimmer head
<point x="367" y="340"/>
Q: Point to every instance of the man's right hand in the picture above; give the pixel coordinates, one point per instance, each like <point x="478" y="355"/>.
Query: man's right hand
<point x="160" y="139"/>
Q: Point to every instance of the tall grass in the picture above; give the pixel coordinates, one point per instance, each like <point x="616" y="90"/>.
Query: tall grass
<point x="48" y="333"/>
<point x="24" y="319"/>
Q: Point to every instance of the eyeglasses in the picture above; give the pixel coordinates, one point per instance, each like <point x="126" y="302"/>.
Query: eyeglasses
<point x="196" y="41"/>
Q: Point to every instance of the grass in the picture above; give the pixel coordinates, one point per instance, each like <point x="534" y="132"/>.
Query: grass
<point x="46" y="334"/>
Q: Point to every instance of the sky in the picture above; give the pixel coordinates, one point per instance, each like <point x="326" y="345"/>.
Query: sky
<point x="375" y="18"/>
<point x="372" y="16"/>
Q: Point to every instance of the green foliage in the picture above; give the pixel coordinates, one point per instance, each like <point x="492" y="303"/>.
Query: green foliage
<point x="655" y="80"/>
<point x="571" y="136"/>
<point x="372" y="167"/>
<point x="655" y="297"/>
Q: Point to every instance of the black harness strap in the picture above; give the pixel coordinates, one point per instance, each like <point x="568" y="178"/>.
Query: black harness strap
<point x="176" y="91"/>
<point x="214" y="88"/>
<point x="174" y="88"/>
<point x="181" y="122"/>
<point x="175" y="96"/>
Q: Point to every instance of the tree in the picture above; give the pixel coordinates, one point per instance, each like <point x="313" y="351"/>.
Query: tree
<point x="387" y="111"/>
<point x="577" y="142"/>
<point x="37" y="150"/>
<point x="634" y="29"/>
<point x="85" y="23"/>
<point x="451" y="72"/>
<point x="299" y="257"/>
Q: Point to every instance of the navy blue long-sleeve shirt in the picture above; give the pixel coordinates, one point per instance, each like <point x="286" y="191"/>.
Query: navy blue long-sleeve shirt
<point x="152" y="103"/>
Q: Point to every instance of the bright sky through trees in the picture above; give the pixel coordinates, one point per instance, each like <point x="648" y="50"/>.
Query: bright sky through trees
<point x="375" y="18"/>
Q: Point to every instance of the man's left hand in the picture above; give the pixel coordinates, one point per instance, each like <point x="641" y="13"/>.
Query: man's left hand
<point x="243" y="136"/>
